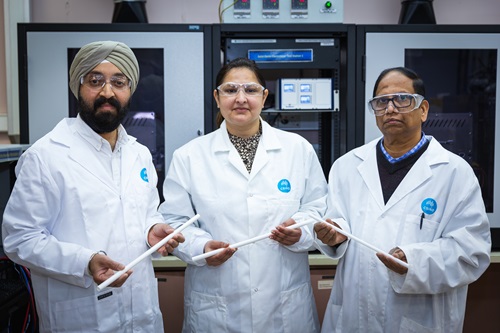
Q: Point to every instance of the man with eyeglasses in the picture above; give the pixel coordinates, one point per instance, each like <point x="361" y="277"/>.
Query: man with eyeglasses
<point x="85" y="204"/>
<point x="405" y="194"/>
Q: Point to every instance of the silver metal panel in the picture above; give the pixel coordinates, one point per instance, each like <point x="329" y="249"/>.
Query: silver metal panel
<point x="183" y="88"/>
<point x="387" y="49"/>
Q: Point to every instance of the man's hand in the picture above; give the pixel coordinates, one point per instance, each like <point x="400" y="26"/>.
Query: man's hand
<point x="393" y="265"/>
<point x="160" y="231"/>
<point x="102" y="267"/>
<point x="327" y="234"/>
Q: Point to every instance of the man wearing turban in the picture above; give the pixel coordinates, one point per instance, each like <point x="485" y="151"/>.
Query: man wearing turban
<point x="85" y="204"/>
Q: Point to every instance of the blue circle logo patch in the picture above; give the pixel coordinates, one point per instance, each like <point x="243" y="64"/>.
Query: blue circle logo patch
<point x="284" y="186"/>
<point x="144" y="175"/>
<point x="429" y="206"/>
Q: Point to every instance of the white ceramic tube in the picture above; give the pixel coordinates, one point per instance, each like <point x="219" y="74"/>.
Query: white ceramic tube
<point x="151" y="250"/>
<point x="359" y="240"/>
<point x="248" y="241"/>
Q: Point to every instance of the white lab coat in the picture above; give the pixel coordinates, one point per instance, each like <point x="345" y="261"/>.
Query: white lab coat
<point x="64" y="207"/>
<point x="264" y="287"/>
<point x="449" y="252"/>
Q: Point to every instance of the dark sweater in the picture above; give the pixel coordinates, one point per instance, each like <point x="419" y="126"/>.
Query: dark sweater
<point x="391" y="174"/>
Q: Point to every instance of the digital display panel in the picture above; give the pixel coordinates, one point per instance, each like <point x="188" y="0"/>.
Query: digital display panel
<point x="305" y="87"/>
<point x="242" y="4"/>
<point x="270" y="4"/>
<point x="305" y="99"/>
<point x="275" y="56"/>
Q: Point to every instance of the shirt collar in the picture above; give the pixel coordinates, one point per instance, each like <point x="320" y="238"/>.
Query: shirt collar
<point x="412" y="151"/>
<point x="95" y="139"/>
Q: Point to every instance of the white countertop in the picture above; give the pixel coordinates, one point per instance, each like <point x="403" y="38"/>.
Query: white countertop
<point x="314" y="260"/>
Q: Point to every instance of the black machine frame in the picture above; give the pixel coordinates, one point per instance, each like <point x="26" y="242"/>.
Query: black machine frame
<point x="337" y="136"/>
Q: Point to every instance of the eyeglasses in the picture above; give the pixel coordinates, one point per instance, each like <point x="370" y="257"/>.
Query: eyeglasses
<point x="97" y="81"/>
<point x="402" y="102"/>
<point x="232" y="89"/>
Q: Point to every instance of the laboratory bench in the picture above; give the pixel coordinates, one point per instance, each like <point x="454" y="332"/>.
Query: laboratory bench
<point x="483" y="298"/>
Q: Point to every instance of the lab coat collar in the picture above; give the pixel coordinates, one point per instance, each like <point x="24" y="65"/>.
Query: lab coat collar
<point x="433" y="156"/>
<point x="419" y="173"/>
<point x="369" y="171"/>
<point x="268" y="138"/>
<point x="268" y="141"/>
<point x="73" y="125"/>
<point x="72" y="132"/>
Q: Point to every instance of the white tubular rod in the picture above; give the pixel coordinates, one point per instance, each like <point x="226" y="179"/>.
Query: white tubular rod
<point x="359" y="240"/>
<point x="248" y="241"/>
<point x="151" y="250"/>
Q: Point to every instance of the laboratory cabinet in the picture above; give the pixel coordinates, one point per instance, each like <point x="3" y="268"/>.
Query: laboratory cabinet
<point x="171" y="298"/>
<point x="481" y="315"/>
<point x="483" y="301"/>
<point x="308" y="75"/>
<point x="171" y="294"/>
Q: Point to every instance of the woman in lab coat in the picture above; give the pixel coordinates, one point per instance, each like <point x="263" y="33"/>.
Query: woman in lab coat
<point x="246" y="179"/>
<point x="425" y="208"/>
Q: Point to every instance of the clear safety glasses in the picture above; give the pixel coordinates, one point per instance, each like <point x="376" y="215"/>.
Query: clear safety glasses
<point x="402" y="103"/>
<point x="232" y="89"/>
<point x="97" y="81"/>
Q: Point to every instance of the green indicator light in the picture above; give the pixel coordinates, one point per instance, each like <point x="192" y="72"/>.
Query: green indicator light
<point x="328" y="4"/>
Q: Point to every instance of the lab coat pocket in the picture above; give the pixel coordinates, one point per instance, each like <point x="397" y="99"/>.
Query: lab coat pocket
<point x="142" y="190"/>
<point x="297" y="310"/>
<point x="77" y="314"/>
<point x="410" y="326"/>
<point x="140" y="195"/>
<point x="280" y="210"/>
<point x="207" y="313"/>
<point x="412" y="232"/>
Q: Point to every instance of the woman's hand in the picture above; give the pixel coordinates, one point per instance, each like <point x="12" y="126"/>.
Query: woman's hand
<point x="284" y="235"/>
<point x="219" y="258"/>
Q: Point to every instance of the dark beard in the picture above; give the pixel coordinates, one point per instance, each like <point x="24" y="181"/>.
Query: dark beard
<point x="102" y="122"/>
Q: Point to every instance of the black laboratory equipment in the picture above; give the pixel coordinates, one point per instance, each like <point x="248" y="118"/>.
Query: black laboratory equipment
<point x="17" y="307"/>
<point x="308" y="75"/>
